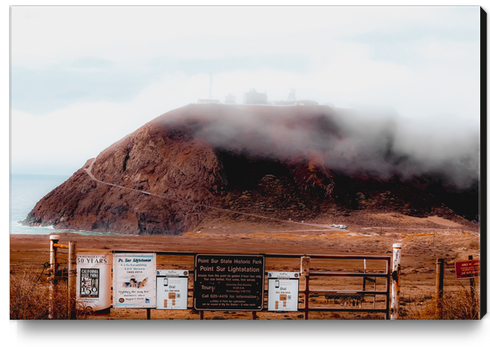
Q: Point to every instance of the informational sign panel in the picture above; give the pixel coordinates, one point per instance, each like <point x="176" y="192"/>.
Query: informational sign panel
<point x="134" y="280"/>
<point x="283" y="291"/>
<point x="172" y="289"/>
<point x="468" y="269"/>
<point x="229" y="282"/>
<point x="94" y="279"/>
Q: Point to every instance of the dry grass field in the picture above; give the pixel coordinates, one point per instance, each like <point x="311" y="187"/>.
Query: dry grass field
<point x="424" y="240"/>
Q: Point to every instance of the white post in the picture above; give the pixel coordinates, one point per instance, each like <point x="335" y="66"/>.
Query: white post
<point x="395" y="284"/>
<point x="305" y="272"/>
<point x="53" y="239"/>
<point x="52" y="251"/>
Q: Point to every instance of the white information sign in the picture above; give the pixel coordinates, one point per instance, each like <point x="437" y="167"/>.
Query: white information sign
<point x="172" y="289"/>
<point x="134" y="280"/>
<point x="283" y="291"/>
<point x="94" y="279"/>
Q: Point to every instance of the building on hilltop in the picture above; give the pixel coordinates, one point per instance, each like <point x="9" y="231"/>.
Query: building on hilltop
<point x="208" y="101"/>
<point x="307" y="103"/>
<point x="253" y="97"/>
<point x="292" y="101"/>
<point x="230" y="99"/>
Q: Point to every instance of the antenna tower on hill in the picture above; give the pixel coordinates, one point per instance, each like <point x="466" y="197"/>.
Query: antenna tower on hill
<point x="292" y="95"/>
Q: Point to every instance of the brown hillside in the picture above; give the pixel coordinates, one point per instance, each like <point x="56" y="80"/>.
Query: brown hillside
<point x="288" y="163"/>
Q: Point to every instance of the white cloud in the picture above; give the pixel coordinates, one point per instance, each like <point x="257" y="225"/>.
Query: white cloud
<point x="45" y="35"/>
<point x="82" y="130"/>
<point x="427" y="67"/>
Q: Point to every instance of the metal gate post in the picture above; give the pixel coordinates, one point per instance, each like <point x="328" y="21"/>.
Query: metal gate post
<point x="305" y="271"/>
<point x="395" y="285"/>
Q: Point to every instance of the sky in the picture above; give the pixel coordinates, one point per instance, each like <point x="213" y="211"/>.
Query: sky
<point x="81" y="78"/>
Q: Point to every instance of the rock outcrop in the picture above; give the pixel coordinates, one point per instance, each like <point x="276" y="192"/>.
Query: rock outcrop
<point x="284" y="162"/>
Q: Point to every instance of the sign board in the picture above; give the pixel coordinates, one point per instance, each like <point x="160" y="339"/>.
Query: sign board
<point x="134" y="280"/>
<point x="229" y="282"/>
<point x="172" y="289"/>
<point x="283" y="291"/>
<point x="94" y="279"/>
<point x="468" y="268"/>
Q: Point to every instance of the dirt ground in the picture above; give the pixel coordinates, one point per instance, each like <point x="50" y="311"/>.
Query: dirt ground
<point x="424" y="240"/>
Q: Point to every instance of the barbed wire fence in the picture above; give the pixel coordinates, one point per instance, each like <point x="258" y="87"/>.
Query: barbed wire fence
<point x="31" y="288"/>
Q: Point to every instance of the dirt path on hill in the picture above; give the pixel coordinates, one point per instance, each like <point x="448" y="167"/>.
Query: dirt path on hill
<point x="217" y="209"/>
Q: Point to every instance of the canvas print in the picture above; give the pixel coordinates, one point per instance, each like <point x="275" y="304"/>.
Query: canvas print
<point x="247" y="162"/>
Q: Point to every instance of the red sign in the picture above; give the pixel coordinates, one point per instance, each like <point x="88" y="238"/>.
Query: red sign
<point x="468" y="269"/>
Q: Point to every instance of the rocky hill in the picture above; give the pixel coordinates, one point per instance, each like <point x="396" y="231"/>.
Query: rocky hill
<point x="293" y="163"/>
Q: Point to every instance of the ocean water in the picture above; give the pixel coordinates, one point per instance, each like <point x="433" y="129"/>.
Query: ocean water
<point x="25" y="192"/>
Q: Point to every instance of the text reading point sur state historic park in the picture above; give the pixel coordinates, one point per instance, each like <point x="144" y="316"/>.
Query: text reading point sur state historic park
<point x="229" y="282"/>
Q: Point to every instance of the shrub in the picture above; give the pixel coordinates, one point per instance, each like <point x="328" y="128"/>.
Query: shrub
<point x="456" y="304"/>
<point x="30" y="296"/>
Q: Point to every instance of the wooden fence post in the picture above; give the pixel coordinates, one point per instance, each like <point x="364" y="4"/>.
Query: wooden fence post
<point x="395" y="284"/>
<point x="72" y="279"/>
<point x="439" y="285"/>
<point x="472" y="293"/>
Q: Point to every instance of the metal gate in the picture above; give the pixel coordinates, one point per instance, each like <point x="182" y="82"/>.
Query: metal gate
<point x="328" y="283"/>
